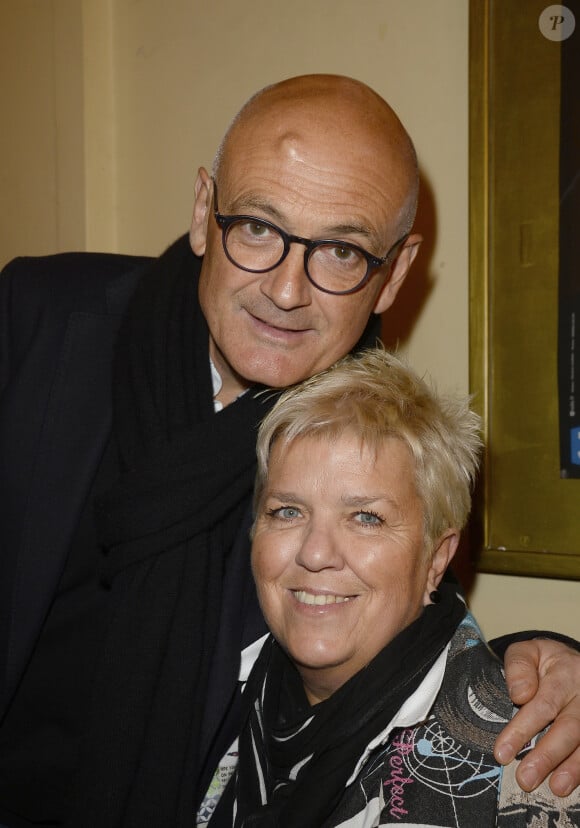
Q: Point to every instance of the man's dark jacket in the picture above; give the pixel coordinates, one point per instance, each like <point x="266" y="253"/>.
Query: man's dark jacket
<point x="58" y="319"/>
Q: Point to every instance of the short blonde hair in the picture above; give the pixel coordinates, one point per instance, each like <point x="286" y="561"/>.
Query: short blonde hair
<point x="376" y="396"/>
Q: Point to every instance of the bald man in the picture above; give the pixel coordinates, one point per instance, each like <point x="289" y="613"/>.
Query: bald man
<point x="131" y="392"/>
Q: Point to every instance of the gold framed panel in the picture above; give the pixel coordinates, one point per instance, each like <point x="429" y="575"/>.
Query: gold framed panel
<point x="529" y="516"/>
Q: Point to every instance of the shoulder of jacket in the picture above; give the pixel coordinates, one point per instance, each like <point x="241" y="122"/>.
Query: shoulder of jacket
<point x="68" y="282"/>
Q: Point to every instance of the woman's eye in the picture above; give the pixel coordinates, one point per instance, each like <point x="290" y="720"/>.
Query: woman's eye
<point x="284" y="512"/>
<point x="369" y="518"/>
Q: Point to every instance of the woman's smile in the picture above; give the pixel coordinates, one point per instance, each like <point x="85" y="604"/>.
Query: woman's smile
<point x="318" y="599"/>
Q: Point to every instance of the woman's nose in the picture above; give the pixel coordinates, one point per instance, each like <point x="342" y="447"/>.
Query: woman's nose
<point x="320" y="549"/>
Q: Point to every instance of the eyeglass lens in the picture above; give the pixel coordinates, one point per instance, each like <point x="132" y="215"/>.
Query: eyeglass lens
<point x="259" y="247"/>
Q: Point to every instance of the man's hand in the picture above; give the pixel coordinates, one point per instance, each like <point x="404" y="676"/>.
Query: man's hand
<point x="544" y="677"/>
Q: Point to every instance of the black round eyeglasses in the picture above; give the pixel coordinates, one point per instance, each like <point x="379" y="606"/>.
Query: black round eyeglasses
<point x="332" y="266"/>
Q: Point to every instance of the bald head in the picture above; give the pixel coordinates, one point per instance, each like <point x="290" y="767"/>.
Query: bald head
<point x="345" y="120"/>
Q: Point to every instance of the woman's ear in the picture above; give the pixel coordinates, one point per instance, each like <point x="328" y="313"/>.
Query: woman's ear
<point x="398" y="272"/>
<point x="201" y="212"/>
<point x="445" y="549"/>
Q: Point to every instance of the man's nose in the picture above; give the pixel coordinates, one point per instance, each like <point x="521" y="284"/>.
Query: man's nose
<point x="287" y="285"/>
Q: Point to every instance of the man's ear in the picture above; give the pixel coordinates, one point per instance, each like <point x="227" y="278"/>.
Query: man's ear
<point x="445" y="549"/>
<point x="399" y="270"/>
<point x="201" y="212"/>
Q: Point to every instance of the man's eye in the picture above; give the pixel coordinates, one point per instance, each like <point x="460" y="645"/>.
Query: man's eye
<point x="337" y="255"/>
<point x="343" y="253"/>
<point x="255" y="228"/>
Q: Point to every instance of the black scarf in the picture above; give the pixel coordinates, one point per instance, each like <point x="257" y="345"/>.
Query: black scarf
<point x="168" y="526"/>
<point x="283" y="732"/>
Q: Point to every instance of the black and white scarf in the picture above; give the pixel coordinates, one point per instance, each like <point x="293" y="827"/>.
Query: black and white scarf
<point x="295" y="759"/>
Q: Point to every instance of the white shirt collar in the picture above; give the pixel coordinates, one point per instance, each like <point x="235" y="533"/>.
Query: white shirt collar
<point x="249" y="656"/>
<point x="217" y="383"/>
